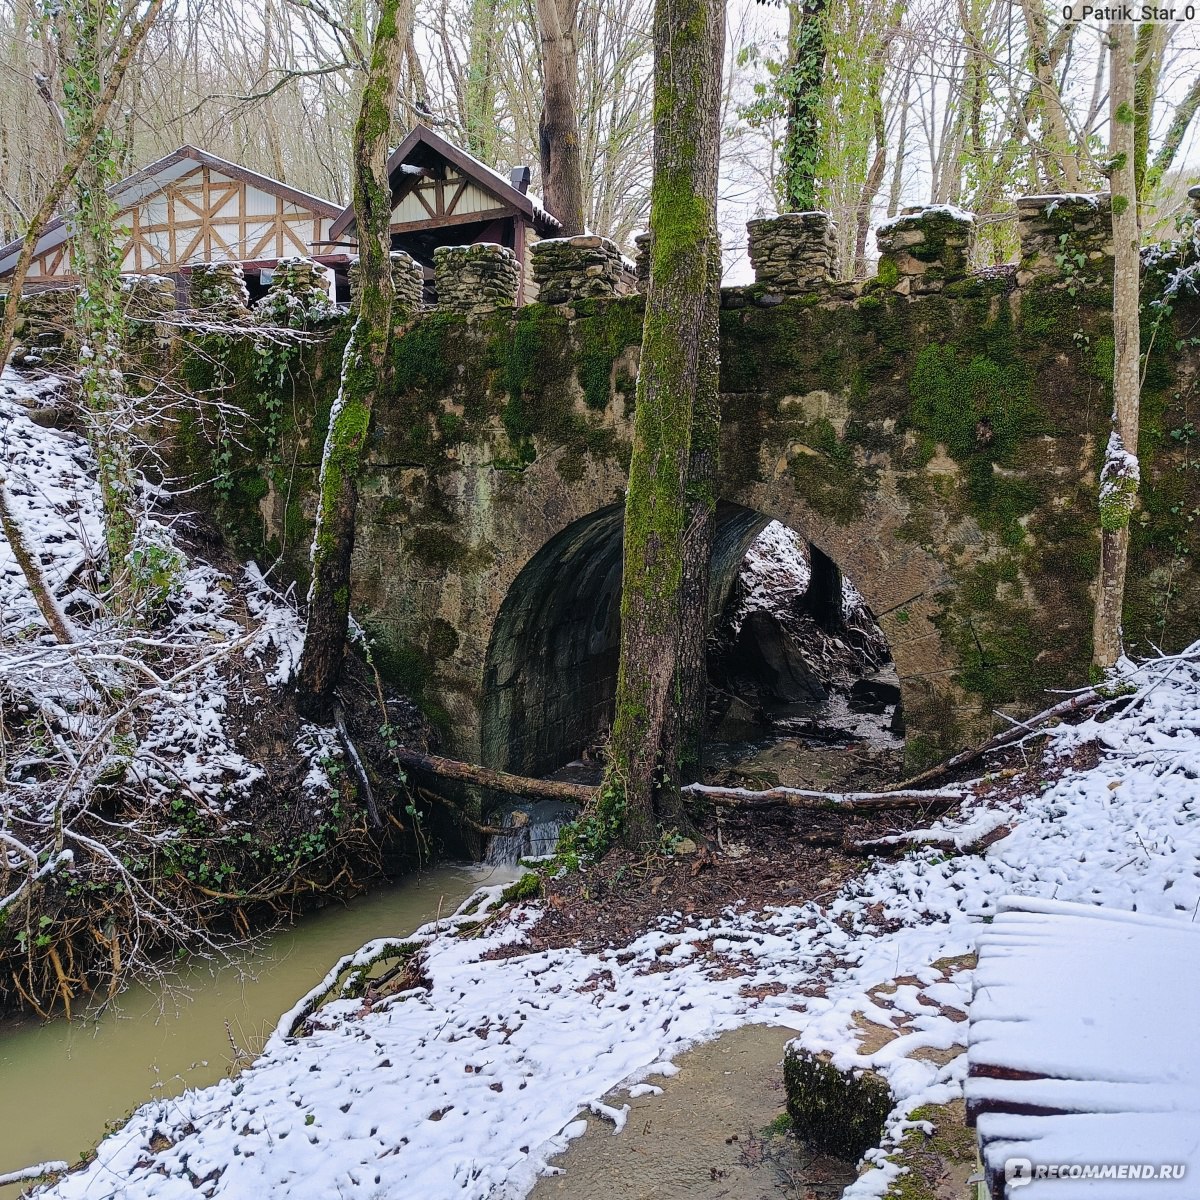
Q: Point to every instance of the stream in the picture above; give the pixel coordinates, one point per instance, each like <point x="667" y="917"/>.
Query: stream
<point x="61" y="1082"/>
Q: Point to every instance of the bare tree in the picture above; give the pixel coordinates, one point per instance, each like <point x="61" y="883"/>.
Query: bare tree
<point x="558" y="129"/>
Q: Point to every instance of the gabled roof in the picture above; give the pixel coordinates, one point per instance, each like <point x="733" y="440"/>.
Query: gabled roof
<point x="420" y="143"/>
<point x="137" y="187"/>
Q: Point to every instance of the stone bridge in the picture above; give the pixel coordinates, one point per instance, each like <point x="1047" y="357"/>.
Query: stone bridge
<point x="935" y="433"/>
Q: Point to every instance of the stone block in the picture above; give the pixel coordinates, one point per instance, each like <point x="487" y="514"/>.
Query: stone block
<point x="476" y="279"/>
<point x="300" y="295"/>
<point x="408" y="279"/>
<point x="567" y="269"/>
<point x="218" y="291"/>
<point x="792" y="253"/>
<point x="1068" y="235"/>
<point x="925" y="247"/>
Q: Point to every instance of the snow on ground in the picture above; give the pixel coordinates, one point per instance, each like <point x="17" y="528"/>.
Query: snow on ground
<point x="49" y="477"/>
<point x="468" y="1088"/>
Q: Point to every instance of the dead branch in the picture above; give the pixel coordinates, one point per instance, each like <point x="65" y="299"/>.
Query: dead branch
<point x="580" y="793"/>
<point x="1073" y="704"/>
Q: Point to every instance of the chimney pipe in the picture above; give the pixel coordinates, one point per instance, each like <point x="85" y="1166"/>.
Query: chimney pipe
<point x="520" y="177"/>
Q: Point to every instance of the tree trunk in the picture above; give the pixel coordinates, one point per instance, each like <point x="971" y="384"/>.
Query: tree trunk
<point x="1150" y="45"/>
<point x="803" y="82"/>
<point x="683" y="740"/>
<point x="481" y="81"/>
<point x="677" y="367"/>
<point x="85" y="31"/>
<point x="79" y="148"/>
<point x="365" y="371"/>
<point x="1176" y="132"/>
<point x="35" y="577"/>
<point x="558" y="129"/>
<point x="1119" y="477"/>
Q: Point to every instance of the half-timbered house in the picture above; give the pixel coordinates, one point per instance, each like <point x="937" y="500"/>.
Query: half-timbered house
<point x="193" y="207"/>
<point x="443" y="196"/>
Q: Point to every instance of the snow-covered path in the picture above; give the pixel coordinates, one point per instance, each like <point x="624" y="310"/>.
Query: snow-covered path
<point x="467" y="1089"/>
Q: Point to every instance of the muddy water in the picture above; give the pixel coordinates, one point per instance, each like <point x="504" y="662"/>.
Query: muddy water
<point x="60" y="1083"/>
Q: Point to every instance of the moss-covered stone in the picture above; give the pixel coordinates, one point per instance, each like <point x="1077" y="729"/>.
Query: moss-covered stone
<point x="842" y="1113"/>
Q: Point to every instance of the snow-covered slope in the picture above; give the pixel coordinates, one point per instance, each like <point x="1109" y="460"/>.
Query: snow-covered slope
<point x="465" y="1089"/>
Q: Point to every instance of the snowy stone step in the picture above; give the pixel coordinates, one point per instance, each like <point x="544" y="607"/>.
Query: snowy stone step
<point x="1082" y="1052"/>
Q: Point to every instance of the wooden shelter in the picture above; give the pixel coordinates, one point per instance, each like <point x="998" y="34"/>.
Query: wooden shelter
<point x="193" y="207"/>
<point x="443" y="196"/>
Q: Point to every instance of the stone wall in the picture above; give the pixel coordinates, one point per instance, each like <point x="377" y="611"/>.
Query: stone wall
<point x="792" y="252"/>
<point x="475" y="280"/>
<point x="1069" y="237"/>
<point x="218" y="291"/>
<point x="45" y="330"/>
<point x="300" y="295"/>
<point x="567" y="269"/>
<point x="408" y="279"/>
<point x="924" y="248"/>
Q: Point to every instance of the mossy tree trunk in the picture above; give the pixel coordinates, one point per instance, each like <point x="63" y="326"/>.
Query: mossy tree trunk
<point x="365" y="370"/>
<point x="558" y="129"/>
<point x="803" y="82"/>
<point x="1119" y="477"/>
<point x="1150" y="45"/>
<point x="683" y="740"/>
<point x="677" y="373"/>
<point x="85" y="29"/>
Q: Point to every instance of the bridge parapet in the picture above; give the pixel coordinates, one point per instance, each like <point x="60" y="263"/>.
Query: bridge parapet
<point x="1068" y="235"/>
<point x="567" y="269"/>
<point x="300" y="294"/>
<point x="924" y="248"/>
<point x="218" y="290"/>
<point x="793" y="253"/>
<point x="408" y="280"/>
<point x="475" y="280"/>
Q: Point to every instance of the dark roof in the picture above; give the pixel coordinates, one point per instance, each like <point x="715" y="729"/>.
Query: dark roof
<point x="145" y="182"/>
<point x="422" y="142"/>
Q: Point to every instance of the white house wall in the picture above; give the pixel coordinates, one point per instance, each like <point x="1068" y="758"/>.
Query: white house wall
<point x="203" y="216"/>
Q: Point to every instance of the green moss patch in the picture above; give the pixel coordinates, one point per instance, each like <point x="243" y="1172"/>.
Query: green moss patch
<point x="840" y="1113"/>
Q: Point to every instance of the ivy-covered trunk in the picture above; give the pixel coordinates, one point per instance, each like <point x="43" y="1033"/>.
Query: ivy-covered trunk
<point x="365" y="371"/>
<point x="558" y="129"/>
<point x="678" y="368"/>
<point x="85" y="27"/>
<point x="1119" y="476"/>
<point x="802" y="84"/>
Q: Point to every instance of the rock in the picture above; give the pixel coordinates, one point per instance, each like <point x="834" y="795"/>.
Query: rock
<point x="873" y="695"/>
<point x="771" y="663"/>
<point x="741" y="723"/>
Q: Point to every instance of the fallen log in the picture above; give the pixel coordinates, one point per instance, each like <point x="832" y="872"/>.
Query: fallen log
<point x="498" y="781"/>
<point x="780" y="797"/>
<point x="784" y="797"/>
<point x="965" y="758"/>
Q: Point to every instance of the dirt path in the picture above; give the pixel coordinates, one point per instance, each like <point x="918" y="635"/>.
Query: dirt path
<point x="714" y="1134"/>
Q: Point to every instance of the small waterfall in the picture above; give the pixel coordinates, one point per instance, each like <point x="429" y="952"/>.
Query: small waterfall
<point x="537" y="825"/>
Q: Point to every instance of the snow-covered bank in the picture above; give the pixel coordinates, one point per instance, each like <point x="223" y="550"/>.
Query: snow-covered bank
<point x="156" y="782"/>
<point x="468" y="1087"/>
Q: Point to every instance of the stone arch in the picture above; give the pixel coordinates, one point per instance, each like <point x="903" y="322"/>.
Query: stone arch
<point x="551" y="665"/>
